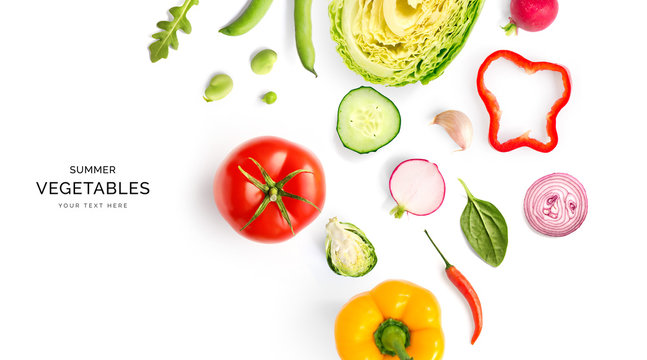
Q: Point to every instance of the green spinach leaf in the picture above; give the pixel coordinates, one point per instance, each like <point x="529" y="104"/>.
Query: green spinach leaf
<point x="485" y="229"/>
<point x="168" y="36"/>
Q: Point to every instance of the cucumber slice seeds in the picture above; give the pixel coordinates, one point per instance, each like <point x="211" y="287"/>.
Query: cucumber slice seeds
<point x="367" y="120"/>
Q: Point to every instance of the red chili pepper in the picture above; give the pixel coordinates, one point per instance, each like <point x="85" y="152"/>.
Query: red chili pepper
<point x="493" y="109"/>
<point x="464" y="286"/>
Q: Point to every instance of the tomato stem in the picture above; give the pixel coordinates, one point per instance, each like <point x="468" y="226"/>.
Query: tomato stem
<point x="273" y="192"/>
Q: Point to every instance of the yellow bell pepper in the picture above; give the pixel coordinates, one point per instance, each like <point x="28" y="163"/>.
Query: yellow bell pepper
<point x="395" y="319"/>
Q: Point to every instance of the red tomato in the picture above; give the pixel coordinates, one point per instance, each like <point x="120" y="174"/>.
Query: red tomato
<point x="238" y="199"/>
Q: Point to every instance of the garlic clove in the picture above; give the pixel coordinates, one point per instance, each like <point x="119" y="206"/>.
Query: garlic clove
<point x="457" y="125"/>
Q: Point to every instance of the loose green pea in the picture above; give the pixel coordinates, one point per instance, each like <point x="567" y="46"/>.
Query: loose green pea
<point x="263" y="62"/>
<point x="218" y="88"/>
<point x="270" y="97"/>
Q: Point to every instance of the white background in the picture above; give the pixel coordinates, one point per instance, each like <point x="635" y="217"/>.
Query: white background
<point x="167" y="278"/>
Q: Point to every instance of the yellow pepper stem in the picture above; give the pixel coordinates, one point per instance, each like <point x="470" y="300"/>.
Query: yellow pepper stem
<point x="392" y="337"/>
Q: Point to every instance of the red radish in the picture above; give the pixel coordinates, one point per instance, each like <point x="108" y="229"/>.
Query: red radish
<point x="417" y="186"/>
<point x="531" y="15"/>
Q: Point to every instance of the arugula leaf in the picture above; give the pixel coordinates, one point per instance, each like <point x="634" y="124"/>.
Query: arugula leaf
<point x="485" y="229"/>
<point x="168" y="36"/>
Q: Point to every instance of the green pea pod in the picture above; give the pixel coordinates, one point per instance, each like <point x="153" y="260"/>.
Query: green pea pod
<point x="303" y="33"/>
<point x="485" y="229"/>
<point x="248" y="19"/>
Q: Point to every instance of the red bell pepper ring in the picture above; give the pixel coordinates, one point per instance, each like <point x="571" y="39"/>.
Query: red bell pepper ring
<point x="493" y="109"/>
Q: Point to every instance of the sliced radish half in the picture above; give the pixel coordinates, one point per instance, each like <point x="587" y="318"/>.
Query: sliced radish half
<point x="417" y="186"/>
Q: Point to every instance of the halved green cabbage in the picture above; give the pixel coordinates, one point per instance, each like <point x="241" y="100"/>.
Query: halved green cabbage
<point x="398" y="42"/>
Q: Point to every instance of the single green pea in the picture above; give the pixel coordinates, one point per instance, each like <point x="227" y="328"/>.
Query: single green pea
<point x="218" y="88"/>
<point x="263" y="62"/>
<point x="269" y="98"/>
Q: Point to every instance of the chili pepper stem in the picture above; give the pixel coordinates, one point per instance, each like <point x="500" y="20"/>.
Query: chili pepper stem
<point x="447" y="264"/>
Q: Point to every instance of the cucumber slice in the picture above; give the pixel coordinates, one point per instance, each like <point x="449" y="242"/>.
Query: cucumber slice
<point x="367" y="120"/>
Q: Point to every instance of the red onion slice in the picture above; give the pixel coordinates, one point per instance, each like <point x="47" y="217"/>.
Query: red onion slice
<point x="556" y="205"/>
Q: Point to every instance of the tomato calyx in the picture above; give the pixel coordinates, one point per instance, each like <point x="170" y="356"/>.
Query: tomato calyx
<point x="274" y="192"/>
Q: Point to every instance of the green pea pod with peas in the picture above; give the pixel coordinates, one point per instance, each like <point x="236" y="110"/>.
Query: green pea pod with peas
<point x="302" y="27"/>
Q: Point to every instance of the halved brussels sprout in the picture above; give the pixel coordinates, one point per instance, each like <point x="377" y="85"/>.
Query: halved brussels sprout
<point x="348" y="251"/>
